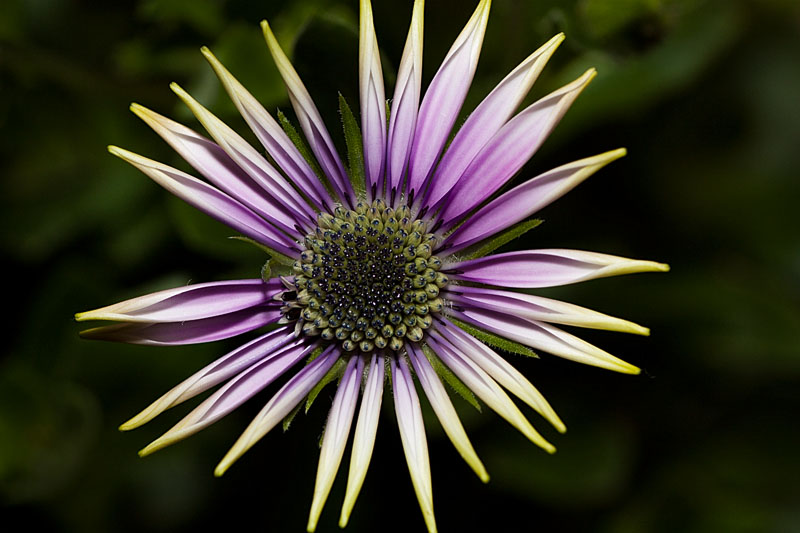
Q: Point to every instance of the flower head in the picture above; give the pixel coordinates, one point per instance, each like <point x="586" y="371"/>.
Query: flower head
<point x="382" y="268"/>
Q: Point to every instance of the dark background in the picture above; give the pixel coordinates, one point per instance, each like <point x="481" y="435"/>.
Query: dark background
<point x="704" y="94"/>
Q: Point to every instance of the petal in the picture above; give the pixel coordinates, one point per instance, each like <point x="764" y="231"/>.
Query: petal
<point x="253" y="163"/>
<point x="405" y="104"/>
<point x="412" y="435"/>
<point x="444" y="98"/>
<point x="542" y="336"/>
<point x="214" y="374"/>
<point x="508" y="150"/>
<point x="547" y="268"/>
<point x="217" y="167"/>
<point x="540" y="309"/>
<point x="271" y="136"/>
<point x="487" y="119"/>
<point x="373" y="101"/>
<point x="336" y="431"/>
<point x="523" y="201"/>
<point x="233" y="394"/>
<point x="486" y="389"/>
<point x="210" y="201"/>
<point x="280" y="405"/>
<point x="310" y="120"/>
<point x="187" y="332"/>
<point x="444" y="410"/>
<point x="192" y="302"/>
<point x="364" y="438"/>
<point x="500" y="370"/>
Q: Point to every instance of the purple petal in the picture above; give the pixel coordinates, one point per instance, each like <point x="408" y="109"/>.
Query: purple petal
<point x="272" y="136"/>
<point x="547" y="268"/>
<point x="310" y="120"/>
<point x="188" y="332"/>
<point x="412" y="435"/>
<point x="252" y="162"/>
<point x="486" y="120"/>
<point x="218" y="168"/>
<point x="523" y="201"/>
<point x="508" y="150"/>
<point x="215" y="373"/>
<point x="539" y="309"/>
<point x="281" y="405"/>
<point x="233" y="394"/>
<point x="542" y="336"/>
<point x="212" y="202"/>
<point x="405" y="104"/>
<point x="444" y="98"/>
<point x="192" y="302"/>
<point x="373" y="102"/>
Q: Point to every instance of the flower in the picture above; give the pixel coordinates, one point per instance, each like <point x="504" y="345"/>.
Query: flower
<point x="385" y="272"/>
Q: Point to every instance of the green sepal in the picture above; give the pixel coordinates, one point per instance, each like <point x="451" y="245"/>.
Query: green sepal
<point x="451" y="379"/>
<point x="495" y="340"/>
<point x="287" y="421"/>
<point x="277" y="256"/>
<point x="488" y="246"/>
<point x="300" y="144"/>
<point x="314" y="354"/>
<point x="355" y="147"/>
<point x="336" y="372"/>
<point x="266" y="271"/>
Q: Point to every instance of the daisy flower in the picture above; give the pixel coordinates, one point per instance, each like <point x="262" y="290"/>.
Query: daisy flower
<point x="380" y="273"/>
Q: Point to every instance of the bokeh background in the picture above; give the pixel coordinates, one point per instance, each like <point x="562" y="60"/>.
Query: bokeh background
<point x="705" y="95"/>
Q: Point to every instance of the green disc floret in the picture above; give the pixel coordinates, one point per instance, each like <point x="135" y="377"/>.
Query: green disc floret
<point x="367" y="279"/>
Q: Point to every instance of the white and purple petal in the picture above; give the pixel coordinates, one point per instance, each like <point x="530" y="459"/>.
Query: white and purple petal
<point x="523" y="201"/>
<point x="373" y="103"/>
<point x="508" y="150"/>
<point x="281" y="405"/>
<point x="486" y="120"/>
<point x="212" y="202"/>
<point x="546" y="268"/>
<point x="443" y="100"/>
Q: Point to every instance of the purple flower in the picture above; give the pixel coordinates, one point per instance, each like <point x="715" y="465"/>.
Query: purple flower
<point x="384" y="272"/>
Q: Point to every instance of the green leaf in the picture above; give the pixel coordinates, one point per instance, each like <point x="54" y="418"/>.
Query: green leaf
<point x="336" y="372"/>
<point x="355" y="147"/>
<point x="488" y="246"/>
<point x="451" y="379"/>
<point x="277" y="256"/>
<point x="495" y="340"/>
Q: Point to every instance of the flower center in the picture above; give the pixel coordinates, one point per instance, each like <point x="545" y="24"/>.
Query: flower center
<point x="367" y="278"/>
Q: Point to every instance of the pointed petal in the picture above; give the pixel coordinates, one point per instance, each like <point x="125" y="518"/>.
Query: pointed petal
<point x="310" y="120"/>
<point x="336" y="431"/>
<point x="214" y="374"/>
<point x="523" y="201"/>
<point x="444" y="98"/>
<point x="233" y="394"/>
<point x="373" y="101"/>
<point x="192" y="302"/>
<point x="509" y="149"/>
<point x="486" y="389"/>
<point x="252" y="162"/>
<point x="210" y="201"/>
<point x="405" y="104"/>
<point x="217" y="167"/>
<point x="501" y="371"/>
<point x="547" y="268"/>
<point x="541" y="309"/>
<point x="280" y="405"/>
<point x="542" y="336"/>
<point x="444" y="410"/>
<point x="271" y="136"/>
<point x="364" y="438"/>
<point x="412" y="434"/>
<point x="487" y="119"/>
<point x="187" y="332"/>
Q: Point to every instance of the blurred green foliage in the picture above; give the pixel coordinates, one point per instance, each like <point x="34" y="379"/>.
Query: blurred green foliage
<point x="703" y="93"/>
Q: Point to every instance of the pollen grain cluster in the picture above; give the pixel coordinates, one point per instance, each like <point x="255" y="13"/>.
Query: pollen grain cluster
<point x="367" y="278"/>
